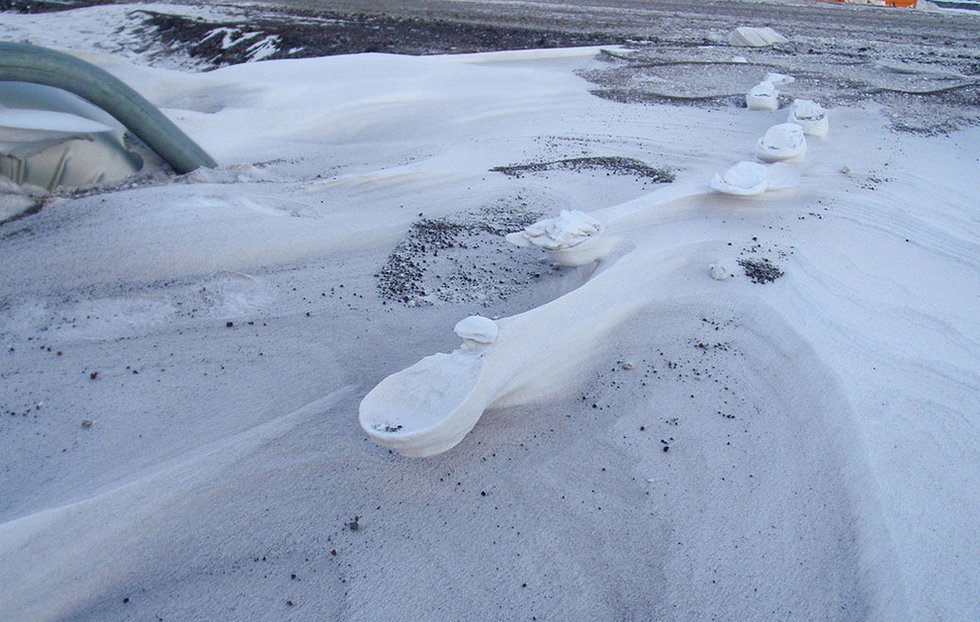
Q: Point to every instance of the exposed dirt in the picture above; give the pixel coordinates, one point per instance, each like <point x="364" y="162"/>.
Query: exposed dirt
<point x="274" y="36"/>
<point x="611" y="164"/>
<point x="461" y="259"/>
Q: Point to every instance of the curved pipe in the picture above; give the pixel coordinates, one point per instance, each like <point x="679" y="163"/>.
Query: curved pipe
<point x="28" y="63"/>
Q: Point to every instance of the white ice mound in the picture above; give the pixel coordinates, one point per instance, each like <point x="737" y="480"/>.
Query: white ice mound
<point x="427" y="408"/>
<point x="477" y="332"/>
<point x="810" y="116"/>
<point x="781" y="142"/>
<point x="743" y="179"/>
<point x="779" y="79"/>
<point x="721" y="271"/>
<point x="755" y="37"/>
<point x="762" y="96"/>
<point x="566" y="230"/>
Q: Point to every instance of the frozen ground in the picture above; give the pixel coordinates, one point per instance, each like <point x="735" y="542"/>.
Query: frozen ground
<point x="181" y="360"/>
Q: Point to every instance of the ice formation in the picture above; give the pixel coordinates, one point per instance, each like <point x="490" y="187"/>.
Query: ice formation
<point x="720" y="271"/>
<point x="810" y="116"/>
<point x="781" y="142"/>
<point x="779" y="79"/>
<point x="427" y="408"/>
<point x="477" y="332"/>
<point x="762" y="96"/>
<point x="566" y="230"/>
<point x="755" y="37"/>
<point x="743" y="179"/>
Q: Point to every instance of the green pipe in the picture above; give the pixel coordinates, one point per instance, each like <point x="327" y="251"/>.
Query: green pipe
<point x="28" y="63"/>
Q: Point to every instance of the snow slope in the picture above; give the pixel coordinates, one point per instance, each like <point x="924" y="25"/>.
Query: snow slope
<point x="182" y="362"/>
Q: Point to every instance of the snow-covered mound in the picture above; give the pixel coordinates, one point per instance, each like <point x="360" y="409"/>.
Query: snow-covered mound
<point x="744" y="179"/>
<point x="762" y="96"/>
<point x="781" y="142"/>
<point x="810" y="116"/>
<point x="568" y="229"/>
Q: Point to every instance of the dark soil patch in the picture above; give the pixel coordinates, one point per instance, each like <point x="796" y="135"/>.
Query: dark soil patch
<point x="326" y="34"/>
<point x="761" y="270"/>
<point x="46" y="6"/>
<point x="460" y="259"/>
<point x="610" y="164"/>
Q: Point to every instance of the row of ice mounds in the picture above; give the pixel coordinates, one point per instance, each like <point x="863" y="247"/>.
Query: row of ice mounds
<point x="781" y="142"/>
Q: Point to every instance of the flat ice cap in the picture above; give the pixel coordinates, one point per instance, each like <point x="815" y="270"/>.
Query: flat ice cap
<point x="743" y="179"/>
<point x="477" y="329"/>
<point x="781" y="142"/>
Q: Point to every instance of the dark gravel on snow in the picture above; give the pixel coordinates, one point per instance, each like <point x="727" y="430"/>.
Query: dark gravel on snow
<point x="611" y="164"/>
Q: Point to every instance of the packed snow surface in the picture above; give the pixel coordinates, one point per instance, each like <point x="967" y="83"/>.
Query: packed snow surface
<point x="736" y="409"/>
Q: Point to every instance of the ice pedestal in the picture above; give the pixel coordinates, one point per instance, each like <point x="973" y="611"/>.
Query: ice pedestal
<point x="762" y="96"/>
<point x="810" y="116"/>
<point x="781" y="142"/>
<point x="743" y="179"/>
<point x="572" y="238"/>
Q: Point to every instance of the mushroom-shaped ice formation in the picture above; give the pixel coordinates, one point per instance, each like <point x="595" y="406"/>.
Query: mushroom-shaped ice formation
<point x="573" y="238"/>
<point x="566" y="230"/>
<point x="762" y="96"/>
<point x="743" y="179"/>
<point x="477" y="332"/>
<point x="781" y="142"/>
<point x="810" y="116"/>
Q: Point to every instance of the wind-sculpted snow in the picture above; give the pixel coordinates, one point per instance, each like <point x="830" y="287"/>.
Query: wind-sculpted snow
<point x="734" y="407"/>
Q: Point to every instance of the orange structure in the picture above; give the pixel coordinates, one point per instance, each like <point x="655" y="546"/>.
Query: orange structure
<point x="905" y="3"/>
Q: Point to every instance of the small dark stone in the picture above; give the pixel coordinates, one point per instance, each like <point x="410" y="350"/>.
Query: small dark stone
<point x="229" y="324"/>
<point x="666" y="448"/>
<point x="93" y="375"/>
<point x="126" y="600"/>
